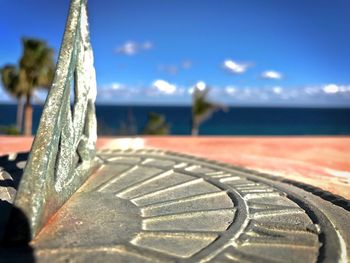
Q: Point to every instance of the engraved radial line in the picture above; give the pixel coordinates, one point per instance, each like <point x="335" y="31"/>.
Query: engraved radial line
<point x="265" y="190"/>
<point x="118" y="250"/>
<point x="237" y="256"/>
<point x="218" y="176"/>
<point x="167" y="189"/>
<point x="270" y="244"/>
<point x="229" y="179"/>
<point x="255" y="190"/>
<point x="187" y="214"/>
<point x="215" y="173"/>
<point x="179" y="233"/>
<point x="238" y="173"/>
<point x="232" y="258"/>
<point x="3" y="177"/>
<point x="285" y="227"/>
<point x="241" y="185"/>
<point x="153" y="255"/>
<point x="251" y="186"/>
<point x="249" y="196"/>
<point x="185" y="199"/>
<point x="8" y="193"/>
<point x="192" y="167"/>
<point x="109" y="183"/>
<point x="282" y="211"/>
<point x="143" y="182"/>
<point x="180" y="165"/>
<point x="147" y="161"/>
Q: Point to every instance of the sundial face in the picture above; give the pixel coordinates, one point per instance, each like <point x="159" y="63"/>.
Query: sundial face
<point x="150" y="206"/>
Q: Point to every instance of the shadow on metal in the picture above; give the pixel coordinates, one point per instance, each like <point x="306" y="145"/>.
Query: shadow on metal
<point x="15" y="232"/>
<point x="13" y="165"/>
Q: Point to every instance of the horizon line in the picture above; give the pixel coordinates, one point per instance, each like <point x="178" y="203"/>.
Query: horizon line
<point x="136" y="104"/>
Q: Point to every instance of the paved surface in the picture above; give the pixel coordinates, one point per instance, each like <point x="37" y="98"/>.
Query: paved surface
<point x="319" y="161"/>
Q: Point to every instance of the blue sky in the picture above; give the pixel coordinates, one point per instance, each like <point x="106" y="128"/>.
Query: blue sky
<point x="250" y="52"/>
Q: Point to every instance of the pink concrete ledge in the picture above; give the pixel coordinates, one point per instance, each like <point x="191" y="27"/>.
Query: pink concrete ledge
<point x="319" y="161"/>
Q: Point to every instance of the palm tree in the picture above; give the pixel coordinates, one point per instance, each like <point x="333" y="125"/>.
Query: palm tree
<point x="202" y="108"/>
<point x="35" y="70"/>
<point x="38" y="65"/>
<point x="156" y="125"/>
<point x="13" y="80"/>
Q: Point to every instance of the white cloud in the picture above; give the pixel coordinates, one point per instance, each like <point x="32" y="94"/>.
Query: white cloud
<point x="114" y="87"/>
<point x="147" y="45"/>
<point x="190" y="90"/>
<point x="201" y="85"/>
<point x="336" y="89"/>
<point x="331" y="88"/>
<point x="312" y="90"/>
<point x="165" y="92"/>
<point x="130" y="48"/>
<point x="170" y="69"/>
<point x="271" y="74"/>
<point x="39" y="96"/>
<point x="277" y="90"/>
<point x="186" y="64"/>
<point x="4" y="96"/>
<point x="117" y="86"/>
<point x="164" y="87"/>
<point x="235" y="67"/>
<point x="174" y="69"/>
<point x="230" y="90"/>
<point x="318" y="95"/>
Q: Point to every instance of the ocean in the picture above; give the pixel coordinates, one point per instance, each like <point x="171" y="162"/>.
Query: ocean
<point x="130" y="120"/>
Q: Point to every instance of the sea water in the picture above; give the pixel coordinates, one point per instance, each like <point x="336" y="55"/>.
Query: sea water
<point x="130" y="120"/>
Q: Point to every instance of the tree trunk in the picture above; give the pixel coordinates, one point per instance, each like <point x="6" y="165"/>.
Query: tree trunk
<point x="194" y="130"/>
<point x="28" y="117"/>
<point x="19" y="117"/>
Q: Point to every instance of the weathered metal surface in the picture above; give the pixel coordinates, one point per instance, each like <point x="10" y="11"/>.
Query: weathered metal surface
<point x="63" y="152"/>
<point x="155" y="206"/>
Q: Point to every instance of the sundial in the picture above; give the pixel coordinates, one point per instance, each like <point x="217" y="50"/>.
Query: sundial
<point x="65" y="202"/>
<point x="155" y="206"/>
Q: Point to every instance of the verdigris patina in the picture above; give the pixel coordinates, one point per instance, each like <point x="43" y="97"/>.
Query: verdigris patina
<point x="155" y="206"/>
<point x="149" y="205"/>
<point x="63" y="152"/>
